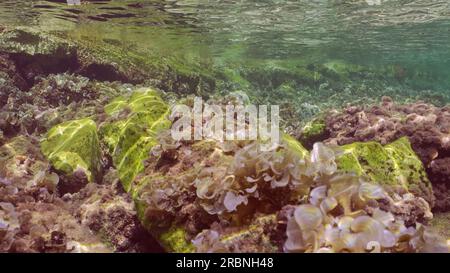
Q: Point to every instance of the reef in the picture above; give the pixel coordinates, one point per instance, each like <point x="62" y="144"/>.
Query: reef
<point x="36" y="53"/>
<point x="236" y="196"/>
<point x="305" y="89"/>
<point x="242" y="199"/>
<point x="426" y="126"/>
<point x="131" y="128"/>
<point x="87" y="163"/>
<point x="37" y="217"/>
<point x="394" y="165"/>
<point x="73" y="148"/>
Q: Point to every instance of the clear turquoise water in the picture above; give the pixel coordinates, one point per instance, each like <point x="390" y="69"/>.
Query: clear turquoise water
<point x="411" y="37"/>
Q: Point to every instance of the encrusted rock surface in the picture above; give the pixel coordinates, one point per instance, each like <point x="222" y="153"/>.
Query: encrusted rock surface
<point x="36" y="217"/>
<point x="73" y="148"/>
<point x="394" y="165"/>
<point x="426" y="126"/>
<point x="131" y="129"/>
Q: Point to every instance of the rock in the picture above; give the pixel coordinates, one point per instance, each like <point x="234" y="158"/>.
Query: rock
<point x="441" y="222"/>
<point x="73" y="148"/>
<point x="130" y="138"/>
<point x="394" y="165"/>
<point x="52" y="100"/>
<point x="9" y="70"/>
<point x="256" y="237"/>
<point x="28" y="41"/>
<point x="35" y="53"/>
<point x="38" y="54"/>
<point x="109" y="212"/>
<point x="22" y="164"/>
<point x="172" y="200"/>
<point x="426" y="126"/>
<point x="314" y="131"/>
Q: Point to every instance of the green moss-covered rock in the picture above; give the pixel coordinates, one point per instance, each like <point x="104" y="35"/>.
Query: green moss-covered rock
<point x="394" y="165"/>
<point x="410" y="170"/>
<point x="175" y="178"/>
<point x="130" y="139"/>
<point x="32" y="42"/>
<point x="175" y="240"/>
<point x="171" y="236"/>
<point x="72" y="146"/>
<point x="313" y="131"/>
<point x="295" y="146"/>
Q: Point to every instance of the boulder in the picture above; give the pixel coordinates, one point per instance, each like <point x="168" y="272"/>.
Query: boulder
<point x="185" y="190"/>
<point x="394" y="165"/>
<point x="73" y="148"/>
<point x="132" y="131"/>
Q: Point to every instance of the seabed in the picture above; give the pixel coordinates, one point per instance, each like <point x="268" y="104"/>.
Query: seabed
<point x="88" y="164"/>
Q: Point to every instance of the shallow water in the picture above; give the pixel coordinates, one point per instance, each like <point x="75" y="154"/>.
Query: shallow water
<point x="409" y="36"/>
<point x="308" y="57"/>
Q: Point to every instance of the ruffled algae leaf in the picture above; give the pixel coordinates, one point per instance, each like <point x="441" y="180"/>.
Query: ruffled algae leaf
<point x="209" y="174"/>
<point x="130" y="139"/>
<point x="72" y="146"/>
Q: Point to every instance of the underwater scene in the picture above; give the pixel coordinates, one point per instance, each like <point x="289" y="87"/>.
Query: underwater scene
<point x="144" y="126"/>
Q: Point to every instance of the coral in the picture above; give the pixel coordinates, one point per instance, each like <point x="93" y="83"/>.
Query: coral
<point x="131" y="131"/>
<point x="73" y="148"/>
<point x="394" y="165"/>
<point x="426" y="126"/>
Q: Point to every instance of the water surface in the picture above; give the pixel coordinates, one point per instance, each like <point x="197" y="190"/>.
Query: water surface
<point x="411" y="37"/>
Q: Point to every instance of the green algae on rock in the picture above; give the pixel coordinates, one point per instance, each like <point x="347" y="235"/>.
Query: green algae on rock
<point x="190" y="186"/>
<point x="130" y="139"/>
<point x="74" y="146"/>
<point x="30" y="42"/>
<point x="393" y="165"/>
<point x="313" y="131"/>
<point x="40" y="53"/>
